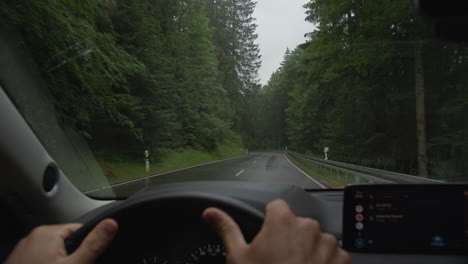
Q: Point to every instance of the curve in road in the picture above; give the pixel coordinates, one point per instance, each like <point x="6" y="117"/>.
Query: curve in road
<point x="266" y="167"/>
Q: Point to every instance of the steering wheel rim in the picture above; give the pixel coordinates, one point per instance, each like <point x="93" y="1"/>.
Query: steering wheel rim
<point x="164" y="208"/>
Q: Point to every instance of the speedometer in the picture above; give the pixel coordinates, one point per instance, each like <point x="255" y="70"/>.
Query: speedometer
<point x="154" y="260"/>
<point x="213" y="253"/>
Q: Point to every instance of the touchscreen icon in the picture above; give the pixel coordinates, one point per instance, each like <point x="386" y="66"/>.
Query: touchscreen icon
<point x="359" y="226"/>
<point x="359" y="243"/>
<point x="359" y="217"/>
<point x="438" y="241"/>
<point x="359" y="208"/>
<point x="359" y="195"/>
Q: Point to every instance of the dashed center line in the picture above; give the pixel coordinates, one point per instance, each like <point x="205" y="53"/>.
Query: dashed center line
<point x="240" y="172"/>
<point x="254" y="161"/>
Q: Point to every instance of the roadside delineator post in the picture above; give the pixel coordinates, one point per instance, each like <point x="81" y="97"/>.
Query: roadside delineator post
<point x="147" y="163"/>
<point x="325" y="151"/>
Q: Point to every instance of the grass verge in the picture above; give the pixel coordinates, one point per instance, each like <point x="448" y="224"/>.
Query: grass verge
<point x="332" y="178"/>
<point x="119" y="171"/>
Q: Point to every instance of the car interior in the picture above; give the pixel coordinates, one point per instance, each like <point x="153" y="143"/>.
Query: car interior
<point x="162" y="223"/>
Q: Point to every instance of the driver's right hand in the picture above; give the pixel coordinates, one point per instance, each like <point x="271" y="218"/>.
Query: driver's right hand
<point x="45" y="244"/>
<point x="284" y="238"/>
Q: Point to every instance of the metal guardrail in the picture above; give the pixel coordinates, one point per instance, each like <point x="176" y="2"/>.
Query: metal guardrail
<point x="370" y="175"/>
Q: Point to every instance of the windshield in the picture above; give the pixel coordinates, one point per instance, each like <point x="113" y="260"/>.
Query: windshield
<point x="318" y="94"/>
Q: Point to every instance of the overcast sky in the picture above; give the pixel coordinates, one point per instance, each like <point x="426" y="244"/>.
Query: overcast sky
<point x="281" y="25"/>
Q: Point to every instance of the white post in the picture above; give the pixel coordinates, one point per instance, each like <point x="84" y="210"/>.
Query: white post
<point x="326" y="150"/>
<point x="147" y="163"/>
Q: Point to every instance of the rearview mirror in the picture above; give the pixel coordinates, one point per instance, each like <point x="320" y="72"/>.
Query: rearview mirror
<point x="450" y="18"/>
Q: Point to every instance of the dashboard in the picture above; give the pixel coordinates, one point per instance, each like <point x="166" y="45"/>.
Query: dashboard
<point x="163" y="224"/>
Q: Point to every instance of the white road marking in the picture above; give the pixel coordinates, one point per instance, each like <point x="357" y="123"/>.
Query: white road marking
<point x="160" y="174"/>
<point x="314" y="180"/>
<point x="254" y="161"/>
<point x="240" y="172"/>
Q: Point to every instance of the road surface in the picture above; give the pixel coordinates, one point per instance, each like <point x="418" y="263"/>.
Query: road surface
<point x="267" y="167"/>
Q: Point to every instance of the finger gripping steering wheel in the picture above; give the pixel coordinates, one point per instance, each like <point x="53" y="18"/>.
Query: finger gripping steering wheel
<point x="150" y="219"/>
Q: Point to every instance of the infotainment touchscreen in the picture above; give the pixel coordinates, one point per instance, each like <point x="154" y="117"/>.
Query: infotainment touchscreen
<point x="406" y="218"/>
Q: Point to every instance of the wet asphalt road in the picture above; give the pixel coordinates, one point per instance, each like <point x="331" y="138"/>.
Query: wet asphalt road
<point x="266" y="167"/>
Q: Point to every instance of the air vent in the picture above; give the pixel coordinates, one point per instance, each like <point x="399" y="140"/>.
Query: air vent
<point x="50" y="179"/>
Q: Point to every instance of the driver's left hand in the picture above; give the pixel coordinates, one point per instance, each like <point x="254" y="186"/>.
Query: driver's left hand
<point x="45" y="244"/>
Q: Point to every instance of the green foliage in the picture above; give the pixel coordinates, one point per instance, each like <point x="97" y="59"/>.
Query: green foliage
<point x="85" y="69"/>
<point x="168" y="160"/>
<point x="133" y="75"/>
<point x="166" y="75"/>
<point x="351" y="88"/>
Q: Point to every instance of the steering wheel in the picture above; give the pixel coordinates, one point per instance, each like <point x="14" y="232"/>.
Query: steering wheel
<point x="157" y="226"/>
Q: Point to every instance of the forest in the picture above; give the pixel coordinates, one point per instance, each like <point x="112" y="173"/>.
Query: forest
<point x="157" y="75"/>
<point x="370" y="82"/>
<point x="374" y="86"/>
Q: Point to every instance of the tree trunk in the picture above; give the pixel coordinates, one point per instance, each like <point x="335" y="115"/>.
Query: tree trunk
<point x="420" y="113"/>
